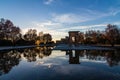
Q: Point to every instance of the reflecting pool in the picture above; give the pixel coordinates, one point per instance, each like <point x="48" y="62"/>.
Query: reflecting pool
<point x="42" y="63"/>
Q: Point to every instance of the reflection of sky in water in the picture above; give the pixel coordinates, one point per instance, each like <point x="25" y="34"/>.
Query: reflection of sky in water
<point x="57" y="67"/>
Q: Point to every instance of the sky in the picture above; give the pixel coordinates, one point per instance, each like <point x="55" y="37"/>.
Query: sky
<point x="57" y="17"/>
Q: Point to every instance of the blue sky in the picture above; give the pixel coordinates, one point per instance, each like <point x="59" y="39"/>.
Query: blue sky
<point x="57" y="17"/>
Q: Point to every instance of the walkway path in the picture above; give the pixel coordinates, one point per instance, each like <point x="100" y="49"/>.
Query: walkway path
<point x="16" y="47"/>
<point x="62" y="47"/>
<point x="80" y="47"/>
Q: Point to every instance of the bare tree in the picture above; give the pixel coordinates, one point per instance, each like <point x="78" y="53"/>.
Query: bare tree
<point x="47" y="38"/>
<point x="112" y="33"/>
<point x="30" y="35"/>
<point x="81" y="37"/>
<point x="8" y="31"/>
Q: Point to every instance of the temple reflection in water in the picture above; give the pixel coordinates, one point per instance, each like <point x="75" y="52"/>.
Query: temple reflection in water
<point x="111" y="57"/>
<point x="73" y="56"/>
<point x="9" y="59"/>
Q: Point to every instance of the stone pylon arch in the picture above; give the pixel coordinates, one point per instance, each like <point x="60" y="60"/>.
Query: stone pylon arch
<point x="73" y="37"/>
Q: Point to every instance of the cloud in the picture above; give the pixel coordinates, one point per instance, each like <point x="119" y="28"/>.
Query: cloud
<point x="85" y="28"/>
<point x="114" y="11"/>
<point x="58" y="30"/>
<point x="47" y="2"/>
<point x="116" y="23"/>
<point x="47" y="24"/>
<point x="48" y="27"/>
<point x="59" y="24"/>
<point x="69" y="18"/>
<point x="84" y="16"/>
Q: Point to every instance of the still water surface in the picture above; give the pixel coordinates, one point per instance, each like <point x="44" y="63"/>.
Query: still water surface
<point x="45" y="64"/>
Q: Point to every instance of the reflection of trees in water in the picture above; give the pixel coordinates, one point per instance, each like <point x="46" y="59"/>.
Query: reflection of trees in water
<point x="95" y="55"/>
<point x="112" y="57"/>
<point x="32" y="54"/>
<point x="11" y="58"/>
<point x="46" y="51"/>
<point x="8" y="60"/>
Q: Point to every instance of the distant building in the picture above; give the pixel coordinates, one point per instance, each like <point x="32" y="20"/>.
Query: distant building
<point x="58" y="42"/>
<point x="74" y="37"/>
<point x="63" y="40"/>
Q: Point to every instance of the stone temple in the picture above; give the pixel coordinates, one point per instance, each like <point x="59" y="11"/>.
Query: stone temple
<point x="73" y="37"/>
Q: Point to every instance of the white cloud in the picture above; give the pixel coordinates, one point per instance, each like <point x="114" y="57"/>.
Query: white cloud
<point x="47" y="2"/>
<point x="48" y="27"/>
<point x="114" y="11"/>
<point x="69" y="18"/>
<point x="58" y="30"/>
<point x="59" y="24"/>
<point x="47" y="24"/>
<point x="84" y="16"/>
<point x="85" y="28"/>
<point x="116" y="23"/>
